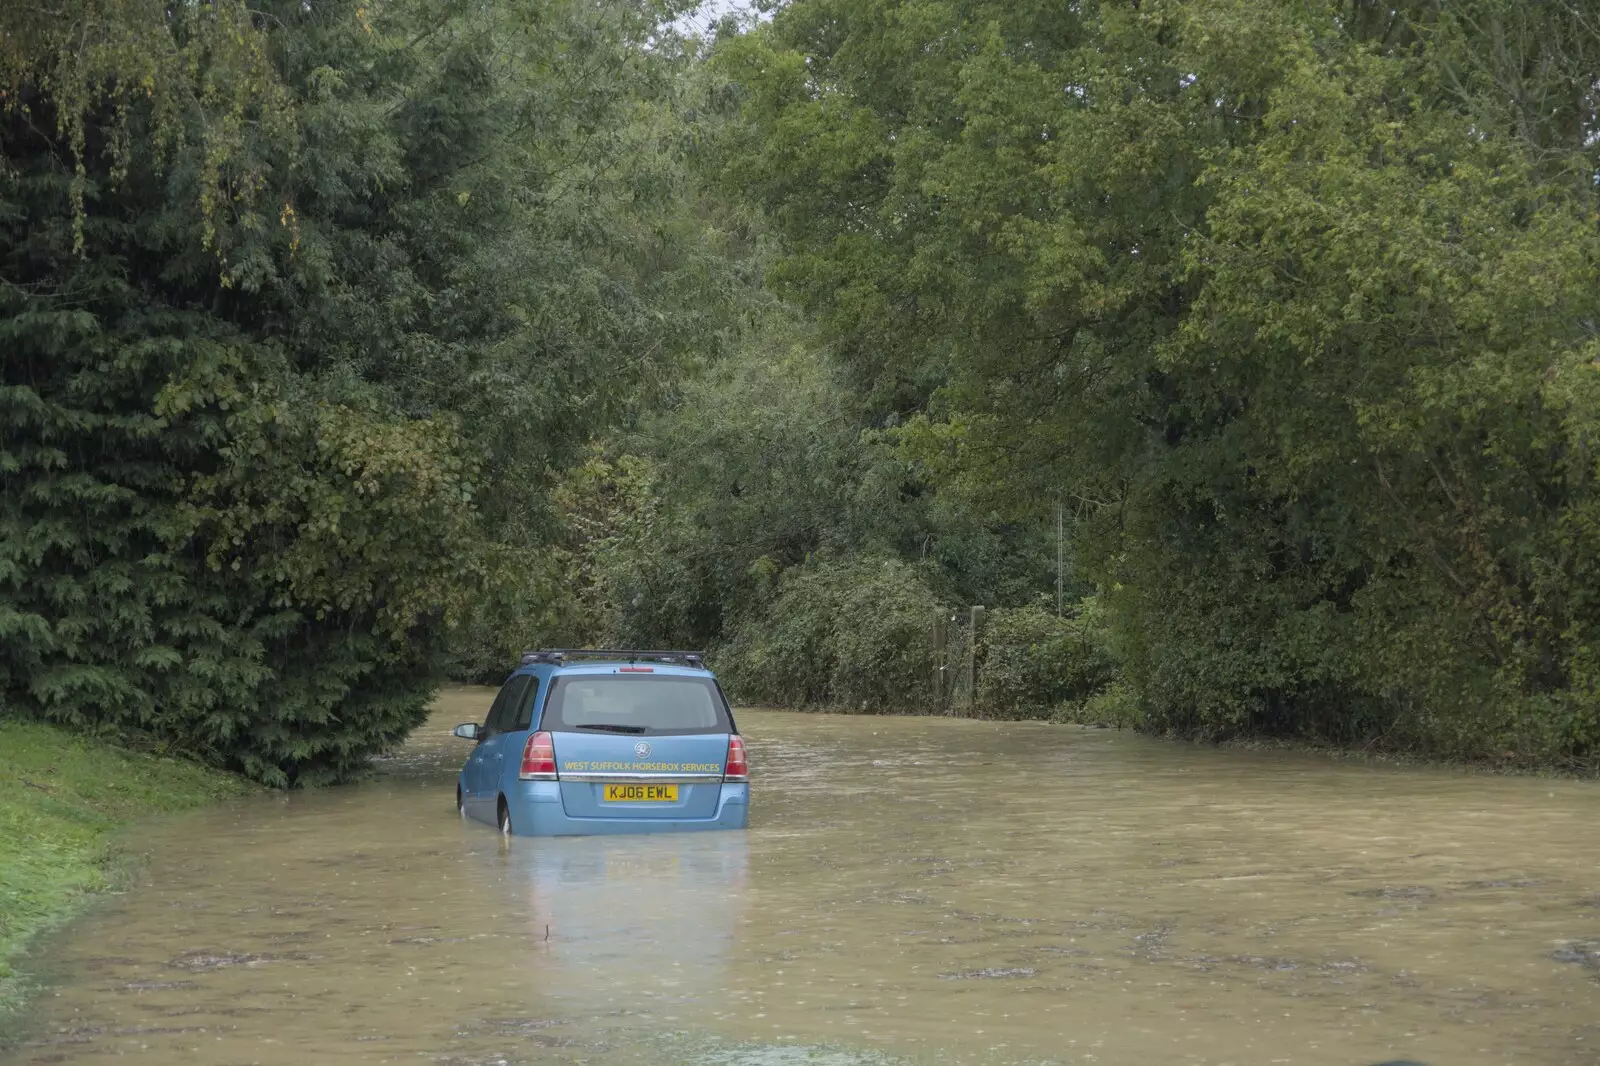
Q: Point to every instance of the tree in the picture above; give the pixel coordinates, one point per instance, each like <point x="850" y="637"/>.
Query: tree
<point x="1290" y="301"/>
<point x="300" y="303"/>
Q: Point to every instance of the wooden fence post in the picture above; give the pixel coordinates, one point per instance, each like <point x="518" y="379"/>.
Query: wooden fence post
<point x="974" y="628"/>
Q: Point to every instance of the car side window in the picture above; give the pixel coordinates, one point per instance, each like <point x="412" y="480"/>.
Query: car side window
<point x="495" y="707"/>
<point x="522" y="717"/>
<point x="506" y="706"/>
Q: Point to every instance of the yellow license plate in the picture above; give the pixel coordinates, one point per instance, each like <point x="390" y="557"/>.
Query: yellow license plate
<point x="641" y="793"/>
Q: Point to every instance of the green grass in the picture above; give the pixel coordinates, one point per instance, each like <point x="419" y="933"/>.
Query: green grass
<point x="62" y="799"/>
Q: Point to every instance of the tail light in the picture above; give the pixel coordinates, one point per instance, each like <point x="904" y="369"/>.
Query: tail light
<point x="539" y="759"/>
<point x="738" y="768"/>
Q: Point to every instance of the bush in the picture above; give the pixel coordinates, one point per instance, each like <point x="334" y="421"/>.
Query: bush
<point x="1034" y="661"/>
<point x="526" y="602"/>
<point x="280" y="614"/>
<point x="851" y="634"/>
<point x="1115" y="705"/>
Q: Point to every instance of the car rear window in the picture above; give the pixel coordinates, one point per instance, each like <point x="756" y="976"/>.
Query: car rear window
<point x="656" y="705"/>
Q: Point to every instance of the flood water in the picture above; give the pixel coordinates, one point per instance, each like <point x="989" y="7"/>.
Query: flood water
<point x="910" y="891"/>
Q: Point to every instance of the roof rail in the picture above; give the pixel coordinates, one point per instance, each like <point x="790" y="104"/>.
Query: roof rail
<point x="558" y="655"/>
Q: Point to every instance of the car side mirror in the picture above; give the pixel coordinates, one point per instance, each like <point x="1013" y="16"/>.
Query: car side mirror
<point x="470" y="731"/>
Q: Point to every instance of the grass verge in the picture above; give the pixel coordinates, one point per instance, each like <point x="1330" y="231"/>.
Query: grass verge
<point x="61" y="800"/>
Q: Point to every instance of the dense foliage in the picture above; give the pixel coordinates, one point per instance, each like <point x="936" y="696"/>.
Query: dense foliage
<point x="1037" y="663"/>
<point x="1291" y="302"/>
<point x="299" y="304"/>
<point x="758" y="515"/>
<point x="348" y="346"/>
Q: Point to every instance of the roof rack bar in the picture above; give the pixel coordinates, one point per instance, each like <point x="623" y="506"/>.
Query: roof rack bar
<point x="632" y="655"/>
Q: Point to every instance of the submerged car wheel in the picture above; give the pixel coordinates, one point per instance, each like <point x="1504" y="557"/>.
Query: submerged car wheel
<point x="505" y="818"/>
<point x="461" y="802"/>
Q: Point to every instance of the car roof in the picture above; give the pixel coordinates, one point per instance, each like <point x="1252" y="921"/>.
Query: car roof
<point x="608" y="666"/>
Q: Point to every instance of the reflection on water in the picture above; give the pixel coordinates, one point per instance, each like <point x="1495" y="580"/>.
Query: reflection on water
<point x="911" y="891"/>
<point x="624" y="922"/>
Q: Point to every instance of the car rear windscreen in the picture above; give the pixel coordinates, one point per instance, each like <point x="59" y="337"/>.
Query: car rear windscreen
<point x="655" y="705"/>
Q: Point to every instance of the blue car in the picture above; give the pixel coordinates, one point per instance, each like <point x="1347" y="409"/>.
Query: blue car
<point x="581" y="742"/>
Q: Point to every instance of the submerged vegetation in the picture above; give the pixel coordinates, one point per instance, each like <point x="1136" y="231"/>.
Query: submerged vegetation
<point x="1238" y="355"/>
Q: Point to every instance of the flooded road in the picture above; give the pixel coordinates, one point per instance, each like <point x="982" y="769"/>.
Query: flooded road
<point x="910" y="891"/>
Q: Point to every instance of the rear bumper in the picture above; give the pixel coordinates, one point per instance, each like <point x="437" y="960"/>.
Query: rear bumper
<point x="536" y="811"/>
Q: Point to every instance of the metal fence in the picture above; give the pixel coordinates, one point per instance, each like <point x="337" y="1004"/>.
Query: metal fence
<point x="954" y="659"/>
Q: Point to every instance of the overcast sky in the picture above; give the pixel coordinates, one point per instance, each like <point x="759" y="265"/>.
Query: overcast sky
<point x="712" y="10"/>
<point x="717" y="8"/>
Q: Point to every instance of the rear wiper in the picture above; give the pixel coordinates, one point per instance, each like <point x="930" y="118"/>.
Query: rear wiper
<point x="608" y="728"/>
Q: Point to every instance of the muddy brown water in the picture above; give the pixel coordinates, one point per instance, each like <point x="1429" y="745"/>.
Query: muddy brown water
<point x="910" y="891"/>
